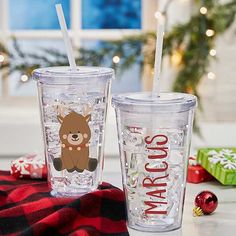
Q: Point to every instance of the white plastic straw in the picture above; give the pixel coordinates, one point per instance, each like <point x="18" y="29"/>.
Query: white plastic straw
<point x="65" y="35"/>
<point x="158" y="57"/>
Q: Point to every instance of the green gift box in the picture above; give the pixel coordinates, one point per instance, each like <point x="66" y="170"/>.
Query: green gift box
<point x="219" y="162"/>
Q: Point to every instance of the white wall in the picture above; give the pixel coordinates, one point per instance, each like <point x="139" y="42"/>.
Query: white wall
<point x="21" y="131"/>
<point x="219" y="95"/>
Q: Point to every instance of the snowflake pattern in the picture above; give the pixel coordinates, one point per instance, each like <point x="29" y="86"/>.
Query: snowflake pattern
<point x="226" y="158"/>
<point x="21" y="166"/>
<point x="229" y="165"/>
<point x="227" y="152"/>
<point x="37" y="162"/>
<point x="234" y="156"/>
<point x="217" y="159"/>
<point x="29" y="166"/>
<point x="212" y="153"/>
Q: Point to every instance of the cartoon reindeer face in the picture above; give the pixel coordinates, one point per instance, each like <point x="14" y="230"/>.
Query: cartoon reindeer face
<point x="74" y="129"/>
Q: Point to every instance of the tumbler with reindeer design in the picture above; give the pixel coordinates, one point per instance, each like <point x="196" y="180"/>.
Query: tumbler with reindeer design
<point x="73" y="105"/>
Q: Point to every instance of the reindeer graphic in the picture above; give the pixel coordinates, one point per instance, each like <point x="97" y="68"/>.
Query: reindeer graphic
<point x="74" y="135"/>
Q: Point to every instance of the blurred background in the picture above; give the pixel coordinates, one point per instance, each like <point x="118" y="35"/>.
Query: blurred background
<point x="29" y="30"/>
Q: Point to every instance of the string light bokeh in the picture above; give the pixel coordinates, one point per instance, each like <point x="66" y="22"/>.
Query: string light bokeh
<point x="177" y="56"/>
<point x="2" y="58"/>
<point x="24" y="78"/>
<point x="116" y="59"/>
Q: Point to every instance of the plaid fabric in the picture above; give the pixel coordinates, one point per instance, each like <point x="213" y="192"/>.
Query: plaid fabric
<point x="26" y="208"/>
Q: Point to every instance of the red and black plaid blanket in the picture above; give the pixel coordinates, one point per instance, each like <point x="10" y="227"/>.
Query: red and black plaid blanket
<point x="26" y="208"/>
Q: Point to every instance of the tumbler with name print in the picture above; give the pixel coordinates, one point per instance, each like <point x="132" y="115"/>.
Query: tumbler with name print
<point x="154" y="138"/>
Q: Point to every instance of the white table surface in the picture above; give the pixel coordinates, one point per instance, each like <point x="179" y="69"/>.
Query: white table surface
<point x="222" y="222"/>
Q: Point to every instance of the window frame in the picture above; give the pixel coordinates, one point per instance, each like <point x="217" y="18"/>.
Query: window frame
<point x="76" y="32"/>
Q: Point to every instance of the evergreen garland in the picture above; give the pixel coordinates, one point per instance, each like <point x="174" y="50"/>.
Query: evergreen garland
<point x="189" y="39"/>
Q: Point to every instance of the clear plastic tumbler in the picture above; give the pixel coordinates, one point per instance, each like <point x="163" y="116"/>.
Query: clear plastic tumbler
<point x="154" y="139"/>
<point x="73" y="106"/>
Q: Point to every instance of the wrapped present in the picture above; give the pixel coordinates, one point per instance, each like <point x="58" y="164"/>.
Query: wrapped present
<point x="220" y="162"/>
<point x="196" y="173"/>
<point x="30" y="166"/>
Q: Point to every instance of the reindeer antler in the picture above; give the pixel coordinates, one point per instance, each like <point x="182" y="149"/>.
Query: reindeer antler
<point x="86" y="109"/>
<point x="60" y="110"/>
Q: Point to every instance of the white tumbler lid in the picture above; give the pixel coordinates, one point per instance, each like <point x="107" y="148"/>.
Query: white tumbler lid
<point x="145" y="102"/>
<point x="65" y="75"/>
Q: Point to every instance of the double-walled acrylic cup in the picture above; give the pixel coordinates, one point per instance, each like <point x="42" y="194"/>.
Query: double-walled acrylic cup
<point x="73" y="106"/>
<point x="154" y="139"/>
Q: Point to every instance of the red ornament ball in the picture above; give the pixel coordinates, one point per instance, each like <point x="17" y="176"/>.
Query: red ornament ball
<point x="207" y="201"/>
